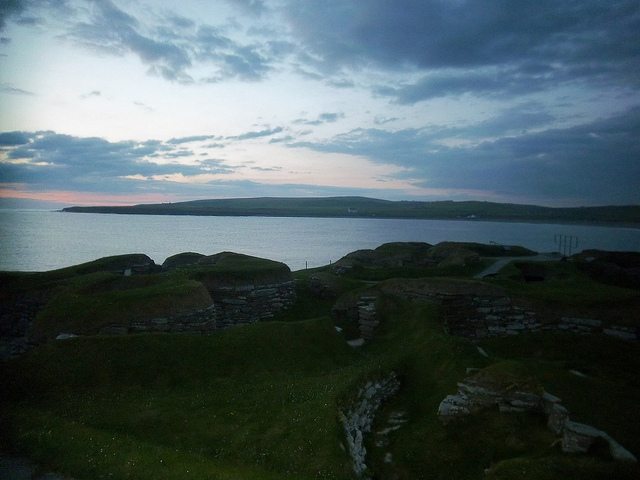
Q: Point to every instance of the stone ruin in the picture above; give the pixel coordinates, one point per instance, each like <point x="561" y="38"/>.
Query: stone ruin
<point x="477" y="310"/>
<point x="236" y="298"/>
<point x="357" y="419"/>
<point x="482" y="391"/>
<point x="241" y="289"/>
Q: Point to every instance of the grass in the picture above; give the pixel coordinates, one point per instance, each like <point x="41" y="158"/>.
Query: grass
<point x="93" y="301"/>
<point x="260" y="401"/>
<point x="226" y="267"/>
<point x="606" y="397"/>
<point x="29" y="281"/>
<point x="567" y="289"/>
<point x="430" y="364"/>
<point x="371" y="207"/>
<point x="253" y="401"/>
<point x="385" y="273"/>
<point x="310" y="305"/>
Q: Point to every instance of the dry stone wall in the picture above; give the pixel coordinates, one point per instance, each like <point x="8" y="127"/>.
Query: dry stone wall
<point x="16" y="315"/>
<point x="357" y="419"/>
<point x="480" y="311"/>
<point x="249" y="303"/>
<point x="367" y="317"/>
<point x="474" y="395"/>
<point x="233" y="305"/>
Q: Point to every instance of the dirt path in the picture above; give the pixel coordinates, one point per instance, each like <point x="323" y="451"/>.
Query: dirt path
<point x="502" y="262"/>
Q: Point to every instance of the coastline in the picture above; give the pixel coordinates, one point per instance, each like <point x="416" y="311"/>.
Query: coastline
<point x="97" y="210"/>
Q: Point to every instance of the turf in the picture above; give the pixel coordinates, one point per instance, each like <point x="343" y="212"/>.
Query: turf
<point x="261" y="401"/>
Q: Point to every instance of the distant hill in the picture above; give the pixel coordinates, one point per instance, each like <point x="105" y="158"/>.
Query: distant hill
<point x="362" y="207"/>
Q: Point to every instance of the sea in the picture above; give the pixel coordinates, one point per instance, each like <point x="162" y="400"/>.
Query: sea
<point x="40" y="240"/>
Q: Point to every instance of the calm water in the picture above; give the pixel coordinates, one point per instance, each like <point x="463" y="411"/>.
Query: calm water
<point x="33" y="240"/>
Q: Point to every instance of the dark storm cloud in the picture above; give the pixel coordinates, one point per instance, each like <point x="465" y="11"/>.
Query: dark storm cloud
<point x="112" y="30"/>
<point x="596" y="162"/>
<point x="255" y="7"/>
<point x="54" y="161"/>
<point x="10" y="8"/>
<point x="13" y="138"/>
<point x="178" y="21"/>
<point x="172" y="45"/>
<point x="513" y="120"/>
<point x="29" y="12"/>
<point x="246" y="63"/>
<point x="469" y="46"/>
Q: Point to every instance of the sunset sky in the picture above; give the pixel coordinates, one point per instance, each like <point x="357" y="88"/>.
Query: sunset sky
<point x="119" y="102"/>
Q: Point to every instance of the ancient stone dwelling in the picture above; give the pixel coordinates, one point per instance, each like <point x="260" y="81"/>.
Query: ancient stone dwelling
<point x="242" y="289"/>
<point x="211" y="292"/>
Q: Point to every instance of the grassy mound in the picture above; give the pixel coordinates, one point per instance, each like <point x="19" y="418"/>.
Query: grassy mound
<point x="564" y="288"/>
<point x="97" y="300"/>
<point x="19" y="282"/>
<point x="227" y="268"/>
<point x="413" y="260"/>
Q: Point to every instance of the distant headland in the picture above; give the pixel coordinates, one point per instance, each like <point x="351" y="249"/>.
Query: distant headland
<point x="362" y="207"/>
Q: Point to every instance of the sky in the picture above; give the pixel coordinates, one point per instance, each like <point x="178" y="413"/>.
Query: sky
<point x="125" y="102"/>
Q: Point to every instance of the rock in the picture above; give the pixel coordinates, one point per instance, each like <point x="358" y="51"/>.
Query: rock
<point x="619" y="453"/>
<point x="579" y="437"/>
<point x="621" y="333"/>
<point x="357" y="419"/>
<point x="453" y="406"/>
<point x="66" y="336"/>
<point x="503" y="385"/>
<point x="482" y="352"/>
<point x="114" y="330"/>
<point x="557" y="417"/>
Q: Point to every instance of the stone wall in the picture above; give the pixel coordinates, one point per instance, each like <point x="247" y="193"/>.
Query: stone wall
<point x="234" y="305"/>
<point x="367" y="317"/>
<point x="16" y="316"/>
<point x="475" y="394"/>
<point x="231" y="306"/>
<point x="357" y="419"/>
<point x="196" y="321"/>
<point x="482" y="310"/>
<point x="487" y="316"/>
<point x="242" y="304"/>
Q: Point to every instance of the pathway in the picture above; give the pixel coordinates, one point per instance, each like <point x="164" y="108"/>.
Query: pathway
<point x="503" y="261"/>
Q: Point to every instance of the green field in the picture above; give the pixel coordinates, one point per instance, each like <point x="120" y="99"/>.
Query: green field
<point x="261" y="401"/>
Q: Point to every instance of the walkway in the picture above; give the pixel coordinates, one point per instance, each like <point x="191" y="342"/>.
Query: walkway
<point x="504" y="261"/>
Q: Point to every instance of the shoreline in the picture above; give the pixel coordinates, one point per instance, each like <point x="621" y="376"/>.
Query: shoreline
<point x="635" y="226"/>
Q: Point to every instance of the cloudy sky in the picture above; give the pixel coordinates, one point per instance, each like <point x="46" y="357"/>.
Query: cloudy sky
<point x="113" y="101"/>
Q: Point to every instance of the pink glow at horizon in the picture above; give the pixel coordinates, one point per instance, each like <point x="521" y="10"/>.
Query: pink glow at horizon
<point x="87" y="198"/>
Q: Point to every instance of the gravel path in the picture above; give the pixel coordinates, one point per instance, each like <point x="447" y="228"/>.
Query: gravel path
<point x="502" y="262"/>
